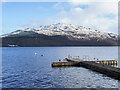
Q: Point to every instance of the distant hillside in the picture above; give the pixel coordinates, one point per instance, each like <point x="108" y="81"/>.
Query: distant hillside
<point x="59" y="35"/>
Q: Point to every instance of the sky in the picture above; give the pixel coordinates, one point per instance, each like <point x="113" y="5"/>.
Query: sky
<point x="102" y="16"/>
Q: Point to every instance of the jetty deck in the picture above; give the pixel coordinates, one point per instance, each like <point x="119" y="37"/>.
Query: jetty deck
<point x="103" y="67"/>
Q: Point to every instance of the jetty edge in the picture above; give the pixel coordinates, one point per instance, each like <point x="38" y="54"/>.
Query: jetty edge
<point x="108" y="70"/>
<point x="103" y="66"/>
<point x="60" y="64"/>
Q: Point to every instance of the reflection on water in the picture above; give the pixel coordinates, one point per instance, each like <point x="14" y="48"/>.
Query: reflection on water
<point x="22" y="68"/>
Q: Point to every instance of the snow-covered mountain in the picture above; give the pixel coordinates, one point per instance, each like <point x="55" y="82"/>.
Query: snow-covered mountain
<point x="68" y="34"/>
<point x="78" y="32"/>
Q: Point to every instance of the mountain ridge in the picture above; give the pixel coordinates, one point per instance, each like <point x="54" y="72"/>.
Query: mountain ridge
<point x="72" y="34"/>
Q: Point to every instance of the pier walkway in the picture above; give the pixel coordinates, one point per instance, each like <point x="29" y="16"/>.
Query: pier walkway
<point x="104" y="67"/>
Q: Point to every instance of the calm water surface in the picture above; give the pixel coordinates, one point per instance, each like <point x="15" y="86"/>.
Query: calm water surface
<point x="22" y="68"/>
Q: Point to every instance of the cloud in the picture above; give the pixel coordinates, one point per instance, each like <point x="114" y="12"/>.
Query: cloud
<point x="65" y="20"/>
<point x="59" y="5"/>
<point x="94" y="14"/>
<point x="101" y="16"/>
<point x="3" y="0"/>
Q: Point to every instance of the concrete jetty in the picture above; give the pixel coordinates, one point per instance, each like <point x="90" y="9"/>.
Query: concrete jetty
<point x="60" y="64"/>
<point x="103" y="67"/>
<point x="105" y="62"/>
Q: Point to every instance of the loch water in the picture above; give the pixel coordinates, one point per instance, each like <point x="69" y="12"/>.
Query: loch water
<point x="30" y="67"/>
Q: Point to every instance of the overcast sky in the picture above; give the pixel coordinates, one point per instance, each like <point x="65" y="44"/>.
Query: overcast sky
<point x="102" y="16"/>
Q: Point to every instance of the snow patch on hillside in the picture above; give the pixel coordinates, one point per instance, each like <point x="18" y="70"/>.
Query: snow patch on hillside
<point x="75" y="31"/>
